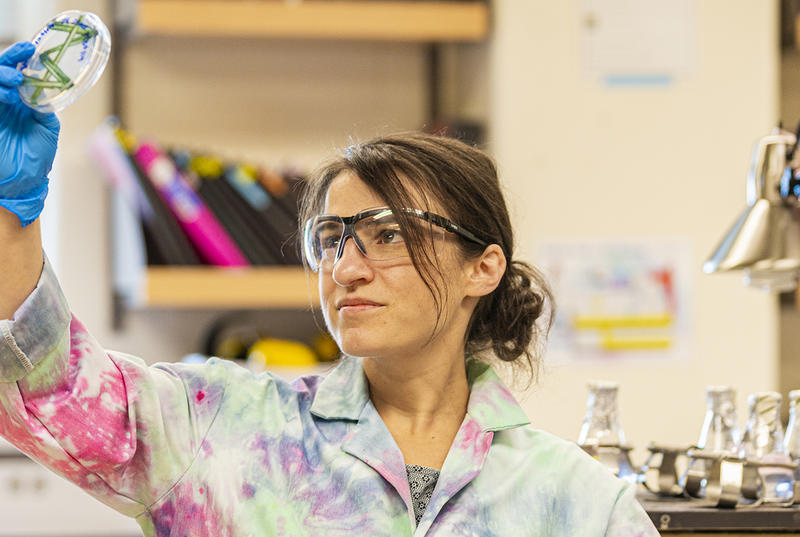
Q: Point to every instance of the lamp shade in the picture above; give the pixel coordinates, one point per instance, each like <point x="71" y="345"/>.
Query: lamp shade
<point x="765" y="238"/>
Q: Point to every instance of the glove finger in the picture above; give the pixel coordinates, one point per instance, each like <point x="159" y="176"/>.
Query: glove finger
<point x="17" y="53"/>
<point x="10" y="76"/>
<point x="9" y="95"/>
<point x="50" y="121"/>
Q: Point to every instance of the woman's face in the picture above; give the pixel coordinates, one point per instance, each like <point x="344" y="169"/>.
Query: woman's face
<point x="383" y="308"/>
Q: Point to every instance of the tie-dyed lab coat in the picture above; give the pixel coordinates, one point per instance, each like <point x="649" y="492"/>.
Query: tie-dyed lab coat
<point x="214" y="450"/>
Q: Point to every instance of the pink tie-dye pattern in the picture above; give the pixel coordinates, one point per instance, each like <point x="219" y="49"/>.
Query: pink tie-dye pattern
<point x="91" y="416"/>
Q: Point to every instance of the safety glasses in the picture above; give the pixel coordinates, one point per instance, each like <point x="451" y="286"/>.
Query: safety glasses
<point x="376" y="232"/>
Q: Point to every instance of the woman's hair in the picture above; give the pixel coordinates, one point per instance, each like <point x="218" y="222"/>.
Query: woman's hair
<point x="513" y="320"/>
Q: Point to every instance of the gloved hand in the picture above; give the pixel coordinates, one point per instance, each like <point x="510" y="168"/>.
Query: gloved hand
<point x="28" y="142"/>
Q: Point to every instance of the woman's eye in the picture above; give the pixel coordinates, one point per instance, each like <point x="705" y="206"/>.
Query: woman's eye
<point x="329" y="242"/>
<point x="390" y="236"/>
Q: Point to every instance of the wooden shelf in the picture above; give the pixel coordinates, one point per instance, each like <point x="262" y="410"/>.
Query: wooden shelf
<point x="317" y="19"/>
<point x="212" y="287"/>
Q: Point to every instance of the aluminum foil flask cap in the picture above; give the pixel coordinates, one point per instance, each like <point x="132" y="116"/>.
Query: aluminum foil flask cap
<point x="764" y="433"/>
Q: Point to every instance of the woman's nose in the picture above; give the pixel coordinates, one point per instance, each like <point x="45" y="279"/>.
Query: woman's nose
<point x="351" y="266"/>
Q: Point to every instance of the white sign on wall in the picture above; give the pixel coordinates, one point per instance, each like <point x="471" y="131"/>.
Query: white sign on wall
<point x="618" y="299"/>
<point x="638" y="42"/>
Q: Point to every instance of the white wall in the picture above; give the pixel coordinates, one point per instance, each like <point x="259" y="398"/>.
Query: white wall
<point x="699" y="132"/>
<point x="590" y="161"/>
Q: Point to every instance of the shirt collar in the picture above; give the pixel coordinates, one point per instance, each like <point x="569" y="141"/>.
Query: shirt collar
<point x="345" y="391"/>
<point x="491" y="403"/>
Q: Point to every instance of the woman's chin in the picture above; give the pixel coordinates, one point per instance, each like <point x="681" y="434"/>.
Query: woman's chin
<point x="358" y="351"/>
<point x="351" y="340"/>
<point x="358" y="347"/>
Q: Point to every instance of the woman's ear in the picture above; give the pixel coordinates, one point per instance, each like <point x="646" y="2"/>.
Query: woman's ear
<point x="483" y="273"/>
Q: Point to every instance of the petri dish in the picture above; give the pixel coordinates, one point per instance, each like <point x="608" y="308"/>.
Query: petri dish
<point x="72" y="50"/>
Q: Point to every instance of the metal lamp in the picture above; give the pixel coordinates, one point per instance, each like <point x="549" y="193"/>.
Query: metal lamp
<point x="764" y="241"/>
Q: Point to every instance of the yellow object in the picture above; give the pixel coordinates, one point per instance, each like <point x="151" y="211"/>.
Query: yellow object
<point x="588" y="322"/>
<point x="269" y="352"/>
<point x="630" y="343"/>
<point x="206" y="166"/>
<point x="126" y="139"/>
<point x="326" y="347"/>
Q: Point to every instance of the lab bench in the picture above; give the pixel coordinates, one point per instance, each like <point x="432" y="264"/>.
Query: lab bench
<point x="679" y="517"/>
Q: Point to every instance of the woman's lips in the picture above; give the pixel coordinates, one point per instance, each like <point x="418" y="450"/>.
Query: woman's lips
<point x="356" y="305"/>
<point x="358" y="308"/>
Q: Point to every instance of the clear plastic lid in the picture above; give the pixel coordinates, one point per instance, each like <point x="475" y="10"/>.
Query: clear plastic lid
<point x="72" y="50"/>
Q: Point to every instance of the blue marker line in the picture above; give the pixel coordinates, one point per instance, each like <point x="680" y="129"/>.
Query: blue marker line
<point x="637" y="80"/>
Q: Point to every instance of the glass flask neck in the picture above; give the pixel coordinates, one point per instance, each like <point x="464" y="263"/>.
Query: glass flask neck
<point x="720" y="432"/>
<point x="601" y="424"/>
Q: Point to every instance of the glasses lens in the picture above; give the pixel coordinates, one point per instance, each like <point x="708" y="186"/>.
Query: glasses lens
<point x="381" y="236"/>
<point x="322" y="240"/>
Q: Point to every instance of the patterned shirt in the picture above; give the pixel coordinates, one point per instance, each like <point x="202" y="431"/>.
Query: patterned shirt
<point x="214" y="450"/>
<point x="422" y="482"/>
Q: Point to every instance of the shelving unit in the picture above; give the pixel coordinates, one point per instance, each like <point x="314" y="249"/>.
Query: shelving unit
<point x="317" y="19"/>
<point x="427" y="22"/>
<point x="211" y="287"/>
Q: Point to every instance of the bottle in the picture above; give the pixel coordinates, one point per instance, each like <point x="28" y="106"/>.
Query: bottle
<point x="718" y="436"/>
<point x="720" y="431"/>
<point x="601" y="433"/>
<point x="601" y="426"/>
<point x="763" y="443"/>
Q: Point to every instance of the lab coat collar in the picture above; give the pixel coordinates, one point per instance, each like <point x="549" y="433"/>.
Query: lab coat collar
<point x="491" y="403"/>
<point x="345" y="391"/>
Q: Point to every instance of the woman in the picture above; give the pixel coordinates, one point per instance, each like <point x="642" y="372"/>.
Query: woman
<point x="411" y="434"/>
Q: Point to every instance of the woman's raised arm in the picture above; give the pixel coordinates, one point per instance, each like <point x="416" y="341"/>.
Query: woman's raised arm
<point x="121" y="430"/>
<point x="20" y="263"/>
<point x="28" y="142"/>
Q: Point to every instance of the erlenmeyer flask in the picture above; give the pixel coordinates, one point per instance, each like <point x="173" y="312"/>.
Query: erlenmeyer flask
<point x="601" y="433"/>
<point x="763" y="444"/>
<point x="601" y="424"/>
<point x="718" y="436"/>
<point x="720" y="432"/>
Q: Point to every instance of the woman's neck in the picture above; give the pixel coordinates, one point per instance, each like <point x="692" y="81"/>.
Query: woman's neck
<point x="419" y="393"/>
<point x="422" y="402"/>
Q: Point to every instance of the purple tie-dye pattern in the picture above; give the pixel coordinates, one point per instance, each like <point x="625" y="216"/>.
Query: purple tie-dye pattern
<point x="215" y="450"/>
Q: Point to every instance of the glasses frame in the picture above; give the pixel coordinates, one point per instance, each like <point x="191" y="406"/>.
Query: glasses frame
<point x="348" y="230"/>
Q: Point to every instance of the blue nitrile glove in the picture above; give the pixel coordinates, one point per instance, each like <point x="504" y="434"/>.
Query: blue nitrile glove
<point x="28" y="142"/>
